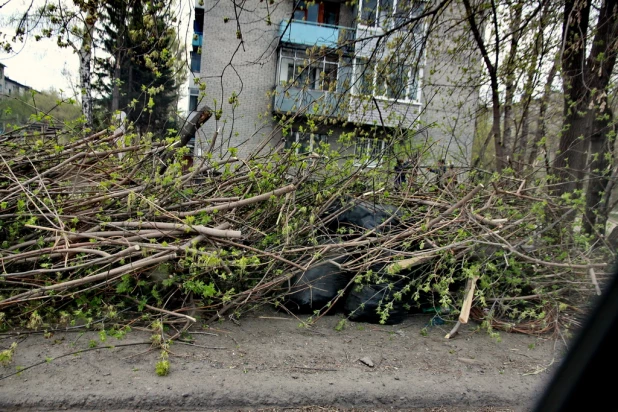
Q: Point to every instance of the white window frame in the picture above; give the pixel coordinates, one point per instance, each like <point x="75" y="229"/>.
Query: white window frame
<point x="300" y="58"/>
<point x="368" y="143"/>
<point x="193" y="92"/>
<point x="377" y="25"/>
<point x="314" y="139"/>
<point x="413" y="82"/>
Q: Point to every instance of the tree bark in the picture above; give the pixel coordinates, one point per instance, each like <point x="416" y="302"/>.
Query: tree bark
<point x="509" y="93"/>
<point x="116" y="89"/>
<point x="570" y="161"/>
<point x="521" y="146"/>
<point x="541" y="126"/>
<point x="493" y="77"/>
<point x="596" y="209"/>
<point x="599" y="68"/>
<point x="85" y="60"/>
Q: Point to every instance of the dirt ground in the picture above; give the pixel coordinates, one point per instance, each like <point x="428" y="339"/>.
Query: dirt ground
<point x="269" y="362"/>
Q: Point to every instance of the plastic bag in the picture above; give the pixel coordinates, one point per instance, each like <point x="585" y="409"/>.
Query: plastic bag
<point x="374" y="304"/>
<point x="362" y="214"/>
<point x="319" y="285"/>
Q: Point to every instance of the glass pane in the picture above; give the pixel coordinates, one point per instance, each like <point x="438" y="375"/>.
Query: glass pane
<point x="361" y="148"/>
<point x="286" y="72"/>
<point x="317" y="140"/>
<point x="364" y="76"/>
<point x="315" y="76"/>
<point x="397" y="80"/>
<point x="290" y="139"/>
<point x="402" y="12"/>
<point x="385" y="12"/>
<point x="369" y="11"/>
<point x="330" y="77"/>
<point x="192" y="103"/>
<point x="413" y="93"/>
<point x="305" y="143"/>
<point x="313" y="12"/>
<point x="301" y="11"/>
<point x="383" y="72"/>
<point x="331" y="13"/>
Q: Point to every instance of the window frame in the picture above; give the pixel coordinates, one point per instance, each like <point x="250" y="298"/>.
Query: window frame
<point x="377" y="25"/>
<point x="369" y="143"/>
<point x="194" y="93"/>
<point x="314" y="140"/>
<point x="413" y="82"/>
<point x="320" y="64"/>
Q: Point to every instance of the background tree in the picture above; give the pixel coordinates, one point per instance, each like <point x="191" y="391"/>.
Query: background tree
<point x="72" y="25"/>
<point x="56" y="109"/>
<point x="145" y="69"/>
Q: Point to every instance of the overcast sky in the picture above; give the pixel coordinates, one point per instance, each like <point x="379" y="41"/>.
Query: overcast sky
<point x="43" y="65"/>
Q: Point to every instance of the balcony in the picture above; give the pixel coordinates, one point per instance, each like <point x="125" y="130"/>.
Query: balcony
<point x="197" y="40"/>
<point x="315" y="34"/>
<point x="307" y="102"/>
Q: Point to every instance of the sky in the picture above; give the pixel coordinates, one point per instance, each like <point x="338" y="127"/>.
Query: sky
<point x="43" y="65"/>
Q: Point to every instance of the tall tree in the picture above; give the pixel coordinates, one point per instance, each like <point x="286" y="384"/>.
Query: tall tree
<point x="588" y="119"/>
<point x="146" y="68"/>
<point x="570" y="161"/>
<point x="599" y="68"/>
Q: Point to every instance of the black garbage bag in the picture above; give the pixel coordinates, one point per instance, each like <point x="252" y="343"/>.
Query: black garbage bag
<point x="362" y="214"/>
<point x="372" y="304"/>
<point x="318" y="286"/>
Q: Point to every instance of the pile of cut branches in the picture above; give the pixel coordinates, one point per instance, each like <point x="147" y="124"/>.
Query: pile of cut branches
<point x="94" y="225"/>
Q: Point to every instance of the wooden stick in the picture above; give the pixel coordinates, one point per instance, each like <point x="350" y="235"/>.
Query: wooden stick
<point x="168" y="312"/>
<point x="235" y="234"/>
<point x="453" y="331"/>
<point x="149" y="261"/>
<point x="593" y="277"/>
<point x="467" y="304"/>
<point x="244" y="202"/>
<point x="123" y="253"/>
<point x="457" y="205"/>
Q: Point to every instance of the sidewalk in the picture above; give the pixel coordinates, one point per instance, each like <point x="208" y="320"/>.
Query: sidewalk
<point x="270" y="362"/>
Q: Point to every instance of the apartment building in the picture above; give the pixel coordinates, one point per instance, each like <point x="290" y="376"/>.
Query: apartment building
<point x="10" y="87"/>
<point x="357" y="70"/>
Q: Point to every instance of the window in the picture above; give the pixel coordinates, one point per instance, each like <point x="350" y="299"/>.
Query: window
<point x="297" y="69"/>
<point x="391" y="78"/>
<point x="385" y="13"/>
<point x="323" y="12"/>
<point x="193" y="99"/>
<point x="308" y="142"/>
<point x="196" y="59"/>
<point x="198" y="22"/>
<point x="369" y="151"/>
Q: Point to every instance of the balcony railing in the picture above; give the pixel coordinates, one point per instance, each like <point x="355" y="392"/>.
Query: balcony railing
<point x="197" y="40"/>
<point x="315" y="102"/>
<point x="315" y="34"/>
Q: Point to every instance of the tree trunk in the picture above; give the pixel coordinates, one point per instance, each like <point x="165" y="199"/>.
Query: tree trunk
<point x="509" y="93"/>
<point x="599" y="68"/>
<point x="541" y="126"/>
<point x="520" y="151"/>
<point x="570" y="160"/>
<point x="116" y="88"/>
<point x="493" y="77"/>
<point x="596" y="208"/>
<point x="85" y="60"/>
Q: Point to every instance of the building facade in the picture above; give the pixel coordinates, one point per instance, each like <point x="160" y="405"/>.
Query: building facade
<point x="371" y="71"/>
<point x="10" y="87"/>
